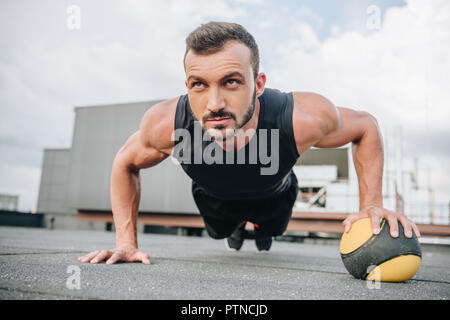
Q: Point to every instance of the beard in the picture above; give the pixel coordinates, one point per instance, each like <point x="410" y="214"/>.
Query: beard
<point x="230" y="132"/>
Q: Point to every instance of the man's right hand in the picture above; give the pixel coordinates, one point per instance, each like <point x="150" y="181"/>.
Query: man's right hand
<point x="123" y="254"/>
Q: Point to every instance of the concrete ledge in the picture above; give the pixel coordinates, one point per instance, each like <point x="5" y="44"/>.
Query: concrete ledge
<point x="300" y="221"/>
<point x="21" y="219"/>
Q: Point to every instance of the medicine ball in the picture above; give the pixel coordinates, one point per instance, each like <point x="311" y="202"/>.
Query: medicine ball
<point x="379" y="257"/>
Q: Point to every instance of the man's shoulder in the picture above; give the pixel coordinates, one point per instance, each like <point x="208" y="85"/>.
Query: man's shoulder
<point x="313" y="115"/>
<point x="313" y="107"/>
<point x="304" y="102"/>
<point x="157" y="124"/>
<point x="311" y="102"/>
<point x="161" y="109"/>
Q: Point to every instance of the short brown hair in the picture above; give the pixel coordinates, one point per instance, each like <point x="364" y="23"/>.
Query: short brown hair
<point x="210" y="38"/>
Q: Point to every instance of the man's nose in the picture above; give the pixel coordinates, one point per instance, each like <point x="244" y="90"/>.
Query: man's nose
<point x="216" y="101"/>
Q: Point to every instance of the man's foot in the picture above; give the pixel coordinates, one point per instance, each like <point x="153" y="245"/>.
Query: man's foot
<point x="262" y="243"/>
<point x="236" y="239"/>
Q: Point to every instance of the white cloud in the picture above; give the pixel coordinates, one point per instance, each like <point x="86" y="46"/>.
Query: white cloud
<point x="124" y="51"/>
<point x="399" y="73"/>
<point x="250" y="2"/>
<point x="395" y="69"/>
<point x="18" y="179"/>
<point x="130" y="51"/>
<point x="306" y="40"/>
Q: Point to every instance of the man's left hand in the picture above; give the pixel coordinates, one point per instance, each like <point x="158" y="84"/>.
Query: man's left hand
<point x="376" y="213"/>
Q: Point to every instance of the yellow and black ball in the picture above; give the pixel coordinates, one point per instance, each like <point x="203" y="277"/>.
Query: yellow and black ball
<point x="379" y="257"/>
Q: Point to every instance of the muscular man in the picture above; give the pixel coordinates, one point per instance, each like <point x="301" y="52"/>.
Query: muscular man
<point x="243" y="170"/>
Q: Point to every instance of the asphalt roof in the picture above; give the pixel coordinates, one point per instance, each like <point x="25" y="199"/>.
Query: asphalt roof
<point x="37" y="264"/>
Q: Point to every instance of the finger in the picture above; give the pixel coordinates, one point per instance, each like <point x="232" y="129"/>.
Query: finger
<point x="349" y="221"/>
<point x="375" y="217"/>
<point x="89" y="256"/>
<point x="407" y="229"/>
<point x="104" y="254"/>
<point x="114" y="258"/>
<point x="146" y="259"/>
<point x="415" y="229"/>
<point x="142" y="257"/>
<point x="393" y="225"/>
<point x="352" y="218"/>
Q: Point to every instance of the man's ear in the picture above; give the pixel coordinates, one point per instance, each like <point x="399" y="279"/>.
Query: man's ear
<point x="260" y="83"/>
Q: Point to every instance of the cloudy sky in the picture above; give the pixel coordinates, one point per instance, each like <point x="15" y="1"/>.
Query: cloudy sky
<point x="388" y="57"/>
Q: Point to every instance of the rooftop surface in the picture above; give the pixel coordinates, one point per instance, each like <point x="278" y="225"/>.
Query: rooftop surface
<point x="38" y="264"/>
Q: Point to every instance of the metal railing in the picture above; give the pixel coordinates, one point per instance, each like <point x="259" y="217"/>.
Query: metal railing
<point x="428" y="214"/>
<point x="419" y="212"/>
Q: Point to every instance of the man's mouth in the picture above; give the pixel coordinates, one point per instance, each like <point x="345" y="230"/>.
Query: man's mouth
<point x="219" y="120"/>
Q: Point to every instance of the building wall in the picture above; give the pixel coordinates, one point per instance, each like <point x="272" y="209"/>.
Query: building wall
<point x="53" y="184"/>
<point x="328" y="156"/>
<point x="8" y="201"/>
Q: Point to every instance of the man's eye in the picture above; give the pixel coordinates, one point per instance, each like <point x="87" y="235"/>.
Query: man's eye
<point x="197" y="84"/>
<point x="232" y="81"/>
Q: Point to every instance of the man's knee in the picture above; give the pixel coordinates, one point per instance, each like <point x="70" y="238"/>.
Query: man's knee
<point x="222" y="232"/>
<point x="216" y="235"/>
<point x="272" y="228"/>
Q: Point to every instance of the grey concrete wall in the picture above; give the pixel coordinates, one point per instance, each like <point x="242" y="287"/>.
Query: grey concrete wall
<point x="53" y="184"/>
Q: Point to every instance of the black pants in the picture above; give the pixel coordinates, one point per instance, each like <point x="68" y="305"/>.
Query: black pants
<point x="271" y="214"/>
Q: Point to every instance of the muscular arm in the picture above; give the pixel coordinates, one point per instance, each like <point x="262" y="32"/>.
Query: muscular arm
<point x="317" y="122"/>
<point x="361" y="129"/>
<point x="135" y="155"/>
<point x="147" y="147"/>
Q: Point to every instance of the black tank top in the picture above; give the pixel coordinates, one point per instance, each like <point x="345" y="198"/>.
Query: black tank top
<point x="241" y="180"/>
